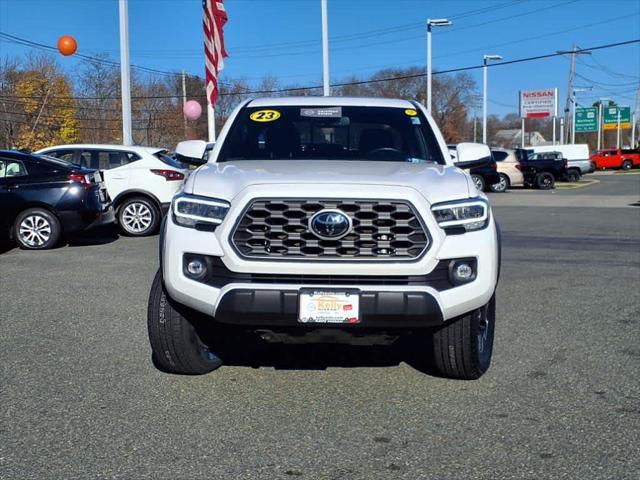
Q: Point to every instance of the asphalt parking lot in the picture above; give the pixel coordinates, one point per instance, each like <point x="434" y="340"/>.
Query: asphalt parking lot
<point x="80" y="398"/>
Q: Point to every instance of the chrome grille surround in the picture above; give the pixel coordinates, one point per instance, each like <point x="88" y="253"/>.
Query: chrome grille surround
<point x="278" y="229"/>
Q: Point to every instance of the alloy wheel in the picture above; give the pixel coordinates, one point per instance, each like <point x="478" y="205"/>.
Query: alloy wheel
<point x="34" y="230"/>
<point x="137" y="217"/>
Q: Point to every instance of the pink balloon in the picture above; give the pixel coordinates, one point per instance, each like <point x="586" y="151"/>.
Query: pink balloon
<point x="192" y="110"/>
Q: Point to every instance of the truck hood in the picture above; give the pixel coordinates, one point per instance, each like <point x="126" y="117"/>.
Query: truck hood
<point x="226" y="180"/>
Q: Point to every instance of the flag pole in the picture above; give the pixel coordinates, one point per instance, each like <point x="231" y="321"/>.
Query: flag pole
<point x="125" y="73"/>
<point x="325" y="50"/>
<point x="211" y="121"/>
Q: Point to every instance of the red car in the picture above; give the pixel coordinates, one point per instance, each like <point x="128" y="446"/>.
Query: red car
<point x="612" y="158"/>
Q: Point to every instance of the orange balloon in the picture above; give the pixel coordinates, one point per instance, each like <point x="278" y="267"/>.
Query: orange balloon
<point x="67" y="45"/>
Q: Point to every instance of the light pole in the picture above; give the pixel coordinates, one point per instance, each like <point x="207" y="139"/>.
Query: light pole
<point x="573" y="110"/>
<point x="600" y="120"/>
<point x="436" y="22"/>
<point x="125" y="75"/>
<point x="326" y="91"/>
<point x="485" y="60"/>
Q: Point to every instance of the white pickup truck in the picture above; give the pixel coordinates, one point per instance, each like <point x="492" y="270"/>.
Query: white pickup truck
<point x="322" y="219"/>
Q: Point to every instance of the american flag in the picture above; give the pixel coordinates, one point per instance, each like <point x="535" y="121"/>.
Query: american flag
<point x="213" y="19"/>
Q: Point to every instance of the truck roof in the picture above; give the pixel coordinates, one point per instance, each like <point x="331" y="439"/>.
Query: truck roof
<point x="330" y="102"/>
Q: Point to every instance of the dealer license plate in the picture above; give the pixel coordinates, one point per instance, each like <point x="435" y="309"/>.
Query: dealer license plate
<point x="328" y="306"/>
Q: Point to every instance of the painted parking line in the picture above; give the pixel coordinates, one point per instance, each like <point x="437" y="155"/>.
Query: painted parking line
<point x="621" y="172"/>
<point x="579" y="184"/>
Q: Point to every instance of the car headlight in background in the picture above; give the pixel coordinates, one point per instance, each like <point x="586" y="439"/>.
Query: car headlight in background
<point x="198" y="212"/>
<point x="465" y="215"/>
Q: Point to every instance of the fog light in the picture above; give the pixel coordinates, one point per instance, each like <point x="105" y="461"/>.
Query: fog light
<point x="462" y="271"/>
<point x="196" y="268"/>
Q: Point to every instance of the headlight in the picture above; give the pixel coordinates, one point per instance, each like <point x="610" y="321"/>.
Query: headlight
<point x="194" y="211"/>
<point x="467" y="214"/>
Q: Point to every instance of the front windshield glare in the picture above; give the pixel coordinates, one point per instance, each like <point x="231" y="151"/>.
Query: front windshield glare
<point x="331" y="133"/>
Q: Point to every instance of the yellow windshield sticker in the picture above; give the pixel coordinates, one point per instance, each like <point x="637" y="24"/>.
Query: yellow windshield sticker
<point x="265" y="116"/>
<point x="411" y="112"/>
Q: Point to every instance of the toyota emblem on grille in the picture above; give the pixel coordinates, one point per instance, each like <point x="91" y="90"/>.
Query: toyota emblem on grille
<point x="330" y="224"/>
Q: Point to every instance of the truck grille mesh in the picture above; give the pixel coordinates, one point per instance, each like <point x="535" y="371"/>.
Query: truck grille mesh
<point x="279" y="228"/>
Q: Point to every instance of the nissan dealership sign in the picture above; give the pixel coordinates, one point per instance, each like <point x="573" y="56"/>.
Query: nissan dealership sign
<point x="539" y="103"/>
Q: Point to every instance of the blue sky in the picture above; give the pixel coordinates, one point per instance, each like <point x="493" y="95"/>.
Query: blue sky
<point x="282" y="38"/>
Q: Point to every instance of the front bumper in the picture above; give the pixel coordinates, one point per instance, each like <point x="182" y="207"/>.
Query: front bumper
<point x="279" y="308"/>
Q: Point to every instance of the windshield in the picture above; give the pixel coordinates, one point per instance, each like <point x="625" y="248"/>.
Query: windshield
<point x="331" y="133"/>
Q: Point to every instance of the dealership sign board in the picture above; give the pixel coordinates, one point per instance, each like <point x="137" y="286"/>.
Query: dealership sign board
<point x="539" y="103"/>
<point x="610" y="117"/>
<point x="586" y="119"/>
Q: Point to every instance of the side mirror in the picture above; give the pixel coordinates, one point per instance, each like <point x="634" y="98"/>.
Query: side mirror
<point x="194" y="152"/>
<point x="472" y="155"/>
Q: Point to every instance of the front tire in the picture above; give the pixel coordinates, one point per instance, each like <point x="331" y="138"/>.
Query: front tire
<point x="502" y="185"/>
<point x="463" y="348"/>
<point x="138" y="217"/>
<point x="545" y="181"/>
<point x="174" y="333"/>
<point x="36" y="229"/>
<point x="478" y="182"/>
<point x="626" y="165"/>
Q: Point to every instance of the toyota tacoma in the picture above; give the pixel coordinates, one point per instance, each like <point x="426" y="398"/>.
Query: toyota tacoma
<point x="329" y="219"/>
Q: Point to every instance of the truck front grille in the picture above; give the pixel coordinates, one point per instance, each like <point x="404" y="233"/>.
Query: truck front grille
<point x="279" y="229"/>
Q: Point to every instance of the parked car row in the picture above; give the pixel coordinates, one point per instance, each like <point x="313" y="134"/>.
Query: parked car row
<point x="65" y="189"/>
<point x="141" y="181"/>
<point x="534" y="167"/>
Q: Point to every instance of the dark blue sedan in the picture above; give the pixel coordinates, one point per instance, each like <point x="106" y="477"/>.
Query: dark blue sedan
<point x="42" y="198"/>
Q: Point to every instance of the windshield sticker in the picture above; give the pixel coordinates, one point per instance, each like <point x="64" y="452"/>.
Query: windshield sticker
<point x="411" y="112"/>
<point x="265" y="116"/>
<point x="415" y="120"/>
<point x="331" y="112"/>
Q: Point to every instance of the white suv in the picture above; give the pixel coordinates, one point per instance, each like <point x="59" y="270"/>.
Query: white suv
<point x="141" y="181"/>
<point x="329" y="220"/>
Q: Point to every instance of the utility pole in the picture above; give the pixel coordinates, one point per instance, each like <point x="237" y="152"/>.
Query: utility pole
<point x="326" y="91"/>
<point x="572" y="69"/>
<point x="436" y="22"/>
<point x="184" y="101"/>
<point x="125" y="73"/>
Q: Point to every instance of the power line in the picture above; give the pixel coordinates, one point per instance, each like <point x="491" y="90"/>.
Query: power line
<point x="486" y="47"/>
<point x="586" y="79"/>
<point x="364" y="82"/>
<point x="29" y="43"/>
<point x="388" y="42"/>
<point x="259" y="50"/>
<point x="111" y="129"/>
<point x="337" y="38"/>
